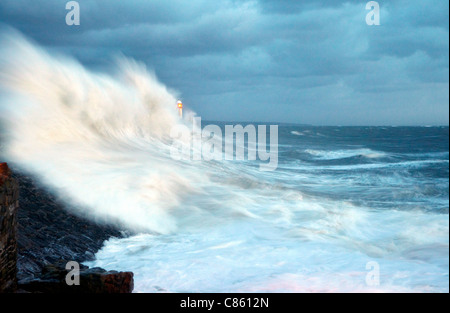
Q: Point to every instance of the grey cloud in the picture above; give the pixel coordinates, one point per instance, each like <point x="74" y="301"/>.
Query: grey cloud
<point x="302" y="61"/>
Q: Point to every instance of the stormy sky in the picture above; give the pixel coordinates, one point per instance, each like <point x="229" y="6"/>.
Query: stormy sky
<point x="310" y="62"/>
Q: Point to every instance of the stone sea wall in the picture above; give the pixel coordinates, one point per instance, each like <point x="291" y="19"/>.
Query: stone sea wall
<point x="9" y="203"/>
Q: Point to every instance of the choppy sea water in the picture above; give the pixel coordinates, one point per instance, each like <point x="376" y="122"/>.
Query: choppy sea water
<point x="342" y="197"/>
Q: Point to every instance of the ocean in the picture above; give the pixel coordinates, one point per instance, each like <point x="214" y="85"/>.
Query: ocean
<point x="342" y="198"/>
<point x="348" y="209"/>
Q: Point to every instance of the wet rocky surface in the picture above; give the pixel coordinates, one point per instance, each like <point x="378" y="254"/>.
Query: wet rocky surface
<point x="53" y="279"/>
<point x="49" y="234"/>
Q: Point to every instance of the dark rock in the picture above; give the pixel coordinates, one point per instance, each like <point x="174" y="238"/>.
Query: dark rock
<point x="92" y="280"/>
<point x="43" y="236"/>
<point x="48" y="233"/>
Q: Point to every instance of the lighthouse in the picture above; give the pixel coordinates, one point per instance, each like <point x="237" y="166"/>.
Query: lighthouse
<point x="180" y="108"/>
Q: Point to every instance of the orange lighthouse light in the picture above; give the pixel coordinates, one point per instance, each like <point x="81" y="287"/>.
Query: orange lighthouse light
<point x="180" y="108"/>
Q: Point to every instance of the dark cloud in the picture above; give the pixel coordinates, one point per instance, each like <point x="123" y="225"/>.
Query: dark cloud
<point x="292" y="61"/>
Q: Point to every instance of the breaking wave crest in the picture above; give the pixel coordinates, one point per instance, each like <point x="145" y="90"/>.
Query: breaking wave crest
<point x="100" y="140"/>
<point x="342" y="154"/>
